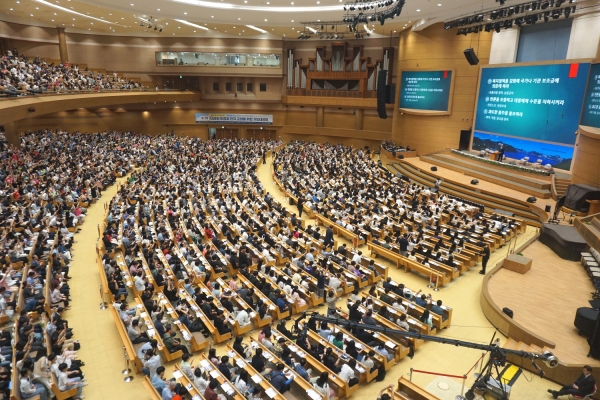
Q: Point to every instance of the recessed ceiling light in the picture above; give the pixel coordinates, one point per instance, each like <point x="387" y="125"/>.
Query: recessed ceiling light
<point x="131" y="4"/>
<point x="239" y="19"/>
<point x="122" y="18"/>
<point x="265" y="20"/>
<point x="245" y="1"/>
<point x="37" y="8"/>
<point x="418" y="10"/>
<point x="108" y="14"/>
<point x="54" y="13"/>
<point x="91" y="23"/>
<point x="185" y="13"/>
<point x="268" y="2"/>
<point x="234" y="27"/>
<point x="73" y="19"/>
<point x="439" y="4"/>
<point x="11" y="9"/>
<point x="318" y="2"/>
<point x="158" y="9"/>
<point x="212" y="16"/>
<point x="194" y="31"/>
<point x="394" y="31"/>
<point x="52" y="20"/>
<point x="31" y="15"/>
<point x="292" y="20"/>
<point x="292" y="3"/>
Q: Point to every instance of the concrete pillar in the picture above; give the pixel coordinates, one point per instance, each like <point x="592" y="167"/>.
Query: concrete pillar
<point x="320" y="116"/>
<point x="11" y="133"/>
<point x="62" y="45"/>
<point x="359" y="116"/>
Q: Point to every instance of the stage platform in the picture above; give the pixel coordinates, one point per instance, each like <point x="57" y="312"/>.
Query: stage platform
<point x="491" y="195"/>
<point x="545" y="300"/>
<point x="525" y="182"/>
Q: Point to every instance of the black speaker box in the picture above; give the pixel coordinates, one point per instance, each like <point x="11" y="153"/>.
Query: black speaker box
<point x="434" y="168"/>
<point x="390" y="93"/>
<point x="531" y="199"/>
<point x="471" y="56"/>
<point x="474" y="181"/>
<point x="508" y="312"/>
<point x="400" y="157"/>
<point x="548" y="208"/>
<point x="381" y="93"/>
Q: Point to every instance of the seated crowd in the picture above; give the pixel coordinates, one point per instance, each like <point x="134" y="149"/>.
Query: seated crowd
<point x="365" y="199"/>
<point x="46" y="185"/>
<point x="195" y="244"/>
<point x="20" y="74"/>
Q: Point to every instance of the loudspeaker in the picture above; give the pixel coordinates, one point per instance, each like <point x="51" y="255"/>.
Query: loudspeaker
<point x="508" y="312"/>
<point x="474" y="181"/>
<point x="434" y="168"/>
<point x="381" y="93"/>
<point x="531" y="199"/>
<point x="548" y="208"/>
<point x="471" y="56"/>
<point x="390" y="93"/>
<point x="400" y="157"/>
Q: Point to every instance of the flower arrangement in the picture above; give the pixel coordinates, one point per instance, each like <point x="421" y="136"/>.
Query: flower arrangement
<point x="521" y="168"/>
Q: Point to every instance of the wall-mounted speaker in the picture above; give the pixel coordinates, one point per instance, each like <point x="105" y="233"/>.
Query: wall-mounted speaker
<point x="471" y="56"/>
<point x="381" y="93"/>
<point x="434" y="168"/>
<point x="474" y="181"/>
<point x="390" y="93"/>
<point x="531" y="199"/>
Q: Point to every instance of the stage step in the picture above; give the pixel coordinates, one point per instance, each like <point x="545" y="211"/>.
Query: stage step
<point x="492" y="202"/>
<point x="471" y="168"/>
<point x="561" y="185"/>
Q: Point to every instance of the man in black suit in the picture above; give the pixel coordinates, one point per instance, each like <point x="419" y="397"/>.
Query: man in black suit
<point x="328" y="236"/>
<point x="583" y="386"/>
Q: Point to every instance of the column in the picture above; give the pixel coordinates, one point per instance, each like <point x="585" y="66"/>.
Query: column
<point x="11" y="133"/>
<point x="359" y="116"/>
<point x="320" y="116"/>
<point x="62" y="45"/>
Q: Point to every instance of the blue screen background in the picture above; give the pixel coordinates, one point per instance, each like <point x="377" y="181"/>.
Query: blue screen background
<point x="510" y="106"/>
<point x="590" y="115"/>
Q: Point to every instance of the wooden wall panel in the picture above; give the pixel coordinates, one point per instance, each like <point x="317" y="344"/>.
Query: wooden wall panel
<point x="435" y="48"/>
<point x="586" y="162"/>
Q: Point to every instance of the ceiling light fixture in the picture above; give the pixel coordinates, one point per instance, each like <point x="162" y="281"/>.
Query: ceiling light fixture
<point x="230" y="6"/>
<point x="256" y="28"/>
<point x="191" y="24"/>
<point x="46" y="3"/>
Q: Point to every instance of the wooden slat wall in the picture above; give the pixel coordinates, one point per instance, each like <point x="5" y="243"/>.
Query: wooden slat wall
<point x="436" y="48"/>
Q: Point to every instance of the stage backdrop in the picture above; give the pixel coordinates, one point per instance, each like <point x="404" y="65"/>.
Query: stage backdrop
<point x="590" y="115"/>
<point x="537" y="107"/>
<point x="425" y="90"/>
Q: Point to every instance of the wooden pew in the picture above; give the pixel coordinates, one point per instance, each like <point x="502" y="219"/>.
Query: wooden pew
<point x="298" y="381"/>
<point x="264" y="383"/>
<point x="152" y="334"/>
<point x="223" y="382"/>
<point x="334" y="380"/>
<point x="409" y="391"/>
<point x="128" y="346"/>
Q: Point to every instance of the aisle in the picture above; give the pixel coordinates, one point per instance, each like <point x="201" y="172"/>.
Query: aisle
<point x="468" y="323"/>
<point x="101" y="347"/>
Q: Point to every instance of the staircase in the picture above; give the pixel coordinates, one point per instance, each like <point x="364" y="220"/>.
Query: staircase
<point x="561" y="185"/>
<point x="519" y="209"/>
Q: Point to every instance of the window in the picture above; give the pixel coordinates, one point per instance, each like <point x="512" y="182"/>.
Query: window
<point x="263" y="87"/>
<point x="248" y="87"/>
<point x="228" y="87"/>
<point x="239" y="87"/>
<point x="215" y="86"/>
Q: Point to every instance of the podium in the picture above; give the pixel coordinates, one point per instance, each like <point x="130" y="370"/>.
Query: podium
<point x="517" y="263"/>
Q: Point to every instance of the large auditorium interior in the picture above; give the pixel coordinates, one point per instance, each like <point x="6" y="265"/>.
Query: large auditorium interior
<point x="299" y="199"/>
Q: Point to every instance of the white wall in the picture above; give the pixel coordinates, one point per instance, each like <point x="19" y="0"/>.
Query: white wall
<point x="585" y="35"/>
<point x="504" y="46"/>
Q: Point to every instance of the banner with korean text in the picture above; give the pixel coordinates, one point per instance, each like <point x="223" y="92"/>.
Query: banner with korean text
<point x="217" y="118"/>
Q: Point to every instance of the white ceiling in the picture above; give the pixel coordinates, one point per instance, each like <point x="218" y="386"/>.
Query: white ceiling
<point x="220" y="18"/>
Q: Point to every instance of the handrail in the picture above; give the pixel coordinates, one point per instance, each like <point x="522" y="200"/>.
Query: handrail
<point x="22" y="94"/>
<point x="553" y="192"/>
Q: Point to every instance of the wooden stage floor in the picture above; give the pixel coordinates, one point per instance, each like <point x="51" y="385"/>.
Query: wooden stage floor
<point x="545" y="300"/>
<point x="464" y="179"/>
